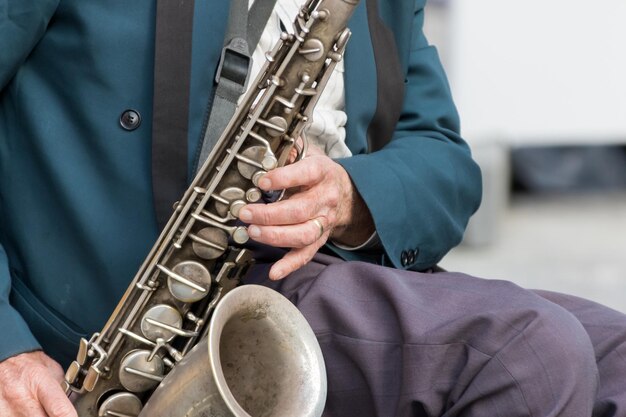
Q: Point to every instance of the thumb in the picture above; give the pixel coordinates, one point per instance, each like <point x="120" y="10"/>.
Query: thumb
<point x="313" y="150"/>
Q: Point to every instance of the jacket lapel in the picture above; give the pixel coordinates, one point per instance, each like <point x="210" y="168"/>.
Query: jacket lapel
<point x="360" y="81"/>
<point x="374" y="81"/>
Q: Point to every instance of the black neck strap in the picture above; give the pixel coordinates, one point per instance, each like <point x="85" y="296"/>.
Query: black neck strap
<point x="243" y="34"/>
<point x="172" y="78"/>
<point x="170" y="112"/>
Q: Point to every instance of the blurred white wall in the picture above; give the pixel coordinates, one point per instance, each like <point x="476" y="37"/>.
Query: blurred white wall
<point x="535" y="72"/>
<point x="549" y="72"/>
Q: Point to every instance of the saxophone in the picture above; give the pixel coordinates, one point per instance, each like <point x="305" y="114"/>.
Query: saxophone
<point x="185" y="339"/>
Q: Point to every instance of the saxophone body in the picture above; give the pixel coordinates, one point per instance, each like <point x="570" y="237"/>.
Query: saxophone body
<point x="185" y="340"/>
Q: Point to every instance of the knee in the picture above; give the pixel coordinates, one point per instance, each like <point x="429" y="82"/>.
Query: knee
<point x="557" y="334"/>
<point x="550" y="332"/>
<point x="545" y="363"/>
<point x="555" y="353"/>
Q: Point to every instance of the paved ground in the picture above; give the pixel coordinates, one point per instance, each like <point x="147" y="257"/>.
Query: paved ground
<point x="573" y="244"/>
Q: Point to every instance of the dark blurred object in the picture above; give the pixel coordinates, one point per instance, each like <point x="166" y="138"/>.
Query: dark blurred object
<point x="562" y="169"/>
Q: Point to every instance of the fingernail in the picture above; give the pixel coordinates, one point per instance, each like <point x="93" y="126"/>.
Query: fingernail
<point x="254" y="231"/>
<point x="245" y="214"/>
<point x="277" y="274"/>
<point x="265" y="183"/>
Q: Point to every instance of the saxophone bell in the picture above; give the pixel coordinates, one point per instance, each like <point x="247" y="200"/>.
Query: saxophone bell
<point x="260" y="358"/>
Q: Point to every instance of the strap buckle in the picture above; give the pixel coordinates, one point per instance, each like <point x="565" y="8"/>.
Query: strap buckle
<point x="235" y="64"/>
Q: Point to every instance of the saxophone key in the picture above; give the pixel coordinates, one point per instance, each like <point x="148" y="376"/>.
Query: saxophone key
<point x="235" y="207"/>
<point x="161" y="314"/>
<point x="122" y="404"/>
<point x="91" y="379"/>
<point x="257" y="176"/>
<point x="249" y="161"/>
<point x="138" y="374"/>
<point x="209" y="243"/>
<point x="73" y="372"/>
<point x="244" y="258"/>
<point x="226" y="199"/>
<point x="240" y="235"/>
<point x="177" y="207"/>
<point x="320" y="14"/>
<point x="312" y="49"/>
<point x="83" y="349"/>
<point x="274" y="126"/>
<point x="253" y="195"/>
<point x="343" y="39"/>
<point x="268" y="161"/>
<point x="188" y="281"/>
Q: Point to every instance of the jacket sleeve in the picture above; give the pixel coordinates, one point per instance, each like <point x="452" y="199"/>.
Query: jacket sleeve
<point x="22" y="23"/>
<point x="422" y="187"/>
<point x="15" y="337"/>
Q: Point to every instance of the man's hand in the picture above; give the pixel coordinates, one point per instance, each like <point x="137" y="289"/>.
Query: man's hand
<point x="30" y="386"/>
<point x="322" y="203"/>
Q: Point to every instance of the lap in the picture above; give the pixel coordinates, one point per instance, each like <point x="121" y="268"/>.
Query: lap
<point x="406" y="343"/>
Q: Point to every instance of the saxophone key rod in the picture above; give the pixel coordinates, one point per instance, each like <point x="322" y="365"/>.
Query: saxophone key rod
<point x="181" y="279"/>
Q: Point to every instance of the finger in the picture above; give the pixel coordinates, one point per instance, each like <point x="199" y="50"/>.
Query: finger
<point x="14" y="405"/>
<point x="306" y="172"/>
<point x="295" y="210"/>
<point x="55" y="370"/>
<point x="54" y="400"/>
<point x="289" y="236"/>
<point x="28" y="409"/>
<point x="295" y="259"/>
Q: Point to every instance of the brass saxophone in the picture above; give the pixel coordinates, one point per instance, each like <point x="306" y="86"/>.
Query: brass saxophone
<point x="184" y="339"/>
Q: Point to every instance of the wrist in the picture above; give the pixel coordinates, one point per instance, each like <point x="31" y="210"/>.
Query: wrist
<point x="358" y="227"/>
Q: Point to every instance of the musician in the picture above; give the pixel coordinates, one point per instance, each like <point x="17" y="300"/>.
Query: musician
<point x="77" y="218"/>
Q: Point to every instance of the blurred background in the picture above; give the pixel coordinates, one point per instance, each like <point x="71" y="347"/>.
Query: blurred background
<point x="541" y="89"/>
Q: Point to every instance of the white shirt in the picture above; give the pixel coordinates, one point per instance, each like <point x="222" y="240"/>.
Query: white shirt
<point x="327" y="130"/>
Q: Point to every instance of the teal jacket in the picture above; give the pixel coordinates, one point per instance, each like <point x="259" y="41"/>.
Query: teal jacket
<point x="76" y="209"/>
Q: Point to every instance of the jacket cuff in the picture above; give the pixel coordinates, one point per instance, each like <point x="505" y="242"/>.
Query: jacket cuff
<point x="15" y="337"/>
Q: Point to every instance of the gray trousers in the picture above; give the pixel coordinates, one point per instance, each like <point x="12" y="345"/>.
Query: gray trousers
<point x="400" y="343"/>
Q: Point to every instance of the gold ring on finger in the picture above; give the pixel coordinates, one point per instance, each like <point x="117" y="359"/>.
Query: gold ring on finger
<point x="319" y="225"/>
